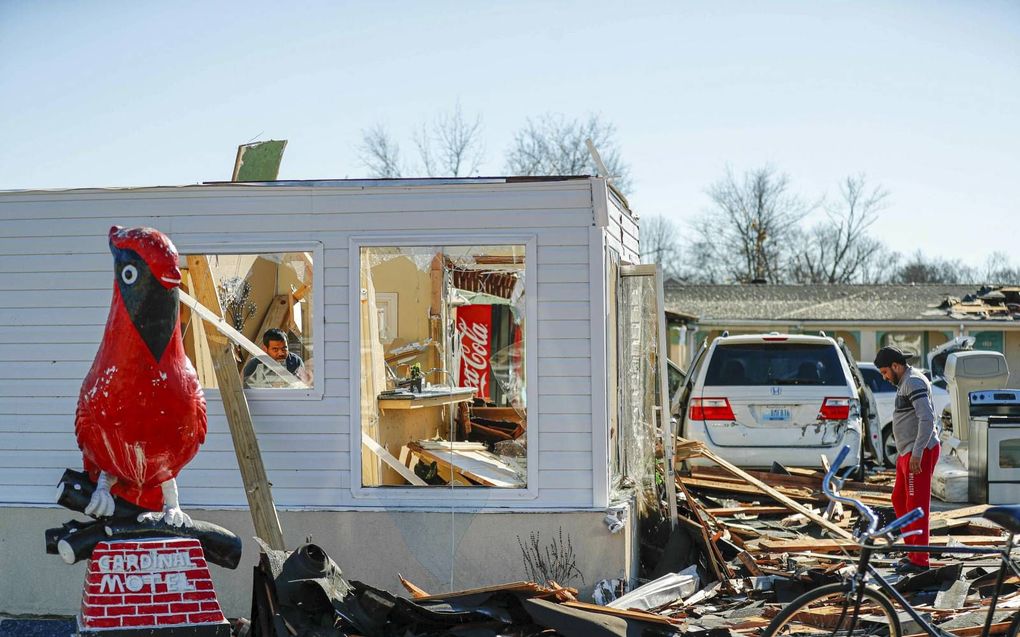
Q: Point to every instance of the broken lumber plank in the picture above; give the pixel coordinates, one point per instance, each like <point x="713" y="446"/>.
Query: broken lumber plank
<point x="625" y="614"/>
<point x="749" y="563"/>
<point x="477" y="464"/>
<point x="744" y="488"/>
<point x="748" y="510"/>
<point x="825" y="546"/>
<point x="973" y="631"/>
<point x="257" y="488"/>
<point x="776" y="495"/>
<point x="391" y="461"/>
<point x="719" y="568"/>
<point x="966" y="512"/>
<point x="416" y="592"/>
<point x="813" y="481"/>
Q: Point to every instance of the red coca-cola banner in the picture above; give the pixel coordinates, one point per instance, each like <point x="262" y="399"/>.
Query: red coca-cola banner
<point x="474" y="326"/>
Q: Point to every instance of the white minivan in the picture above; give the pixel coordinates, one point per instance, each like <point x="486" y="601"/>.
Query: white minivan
<point x="765" y="398"/>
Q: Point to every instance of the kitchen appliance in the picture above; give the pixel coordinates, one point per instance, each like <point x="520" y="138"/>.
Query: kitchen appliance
<point x="968" y="372"/>
<point x="994" y="446"/>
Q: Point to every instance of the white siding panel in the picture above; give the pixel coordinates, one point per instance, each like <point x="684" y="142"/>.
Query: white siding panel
<point x="574" y="480"/>
<point x="176" y="205"/>
<point x="269" y="225"/>
<point x="562" y="329"/>
<point x="559" y="441"/>
<point x="567" y="460"/>
<point x="566" y="404"/>
<point x="34" y="334"/>
<point x="57" y="272"/>
<point x="564" y="273"/>
<point x="564" y="366"/>
<point x="564" y="311"/>
<point x="563" y="254"/>
<point x="578" y="385"/>
<point x="564" y="348"/>
<point x="562" y="292"/>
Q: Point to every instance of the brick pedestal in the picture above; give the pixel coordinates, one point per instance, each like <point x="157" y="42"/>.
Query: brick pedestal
<point x="159" y="586"/>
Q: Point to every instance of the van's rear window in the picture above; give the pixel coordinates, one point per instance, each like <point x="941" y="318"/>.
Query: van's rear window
<point x="775" y="364"/>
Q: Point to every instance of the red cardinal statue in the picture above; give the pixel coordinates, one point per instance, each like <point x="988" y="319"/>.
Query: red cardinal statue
<point x="141" y="412"/>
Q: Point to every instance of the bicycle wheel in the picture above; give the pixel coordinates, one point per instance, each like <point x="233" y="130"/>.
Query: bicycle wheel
<point x="829" y="610"/>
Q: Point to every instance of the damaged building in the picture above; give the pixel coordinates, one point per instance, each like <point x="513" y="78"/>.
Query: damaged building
<point x="916" y="318"/>
<point x="479" y="380"/>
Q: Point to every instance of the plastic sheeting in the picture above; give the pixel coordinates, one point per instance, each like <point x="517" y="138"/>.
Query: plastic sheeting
<point x="634" y="452"/>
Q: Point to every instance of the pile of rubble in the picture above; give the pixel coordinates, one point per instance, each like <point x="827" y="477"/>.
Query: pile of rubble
<point x="745" y="544"/>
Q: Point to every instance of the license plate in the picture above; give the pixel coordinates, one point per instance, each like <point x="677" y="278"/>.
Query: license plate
<point x="776" y="414"/>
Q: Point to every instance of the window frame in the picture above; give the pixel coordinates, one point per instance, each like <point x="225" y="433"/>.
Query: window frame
<point x="436" y="496"/>
<point x="213" y="248"/>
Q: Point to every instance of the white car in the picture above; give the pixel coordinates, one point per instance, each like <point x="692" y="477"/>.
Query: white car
<point x="786" y="398"/>
<point x="885" y="396"/>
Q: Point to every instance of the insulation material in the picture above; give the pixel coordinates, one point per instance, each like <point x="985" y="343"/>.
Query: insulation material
<point x="637" y="325"/>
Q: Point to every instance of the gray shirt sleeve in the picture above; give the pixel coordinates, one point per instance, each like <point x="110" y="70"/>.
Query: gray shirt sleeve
<point x="919" y="395"/>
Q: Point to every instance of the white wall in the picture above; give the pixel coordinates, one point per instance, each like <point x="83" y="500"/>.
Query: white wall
<point x="55" y="288"/>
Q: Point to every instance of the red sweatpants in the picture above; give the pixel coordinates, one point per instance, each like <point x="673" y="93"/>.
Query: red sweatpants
<point x="913" y="490"/>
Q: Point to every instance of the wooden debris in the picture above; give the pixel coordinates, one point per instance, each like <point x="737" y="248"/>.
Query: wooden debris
<point x="625" y="614"/>
<point x="824" y="546"/>
<point x="776" y="495"/>
<point x="416" y="593"/>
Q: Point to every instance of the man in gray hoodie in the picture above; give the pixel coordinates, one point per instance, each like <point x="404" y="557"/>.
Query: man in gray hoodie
<point x="917" y="441"/>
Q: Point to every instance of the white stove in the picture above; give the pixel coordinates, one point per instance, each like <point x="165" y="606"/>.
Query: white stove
<point x="994" y="446"/>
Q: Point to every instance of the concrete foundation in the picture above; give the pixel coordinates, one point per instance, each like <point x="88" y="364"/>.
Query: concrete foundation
<point x="438" y="551"/>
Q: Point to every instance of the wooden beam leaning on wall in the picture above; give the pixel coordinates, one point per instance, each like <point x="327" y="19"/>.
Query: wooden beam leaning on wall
<point x="242" y="431"/>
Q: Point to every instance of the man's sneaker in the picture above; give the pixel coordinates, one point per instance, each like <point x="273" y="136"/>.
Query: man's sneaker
<point x="909" y="568"/>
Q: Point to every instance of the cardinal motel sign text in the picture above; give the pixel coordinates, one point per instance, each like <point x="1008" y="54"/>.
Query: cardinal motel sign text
<point x="150" y="584"/>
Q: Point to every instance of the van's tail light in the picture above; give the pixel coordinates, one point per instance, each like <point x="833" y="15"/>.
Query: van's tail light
<point x="835" y="409"/>
<point x="711" y="409"/>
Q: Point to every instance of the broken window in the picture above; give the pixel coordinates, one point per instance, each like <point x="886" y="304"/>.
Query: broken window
<point x="267" y="298"/>
<point x="442" y="359"/>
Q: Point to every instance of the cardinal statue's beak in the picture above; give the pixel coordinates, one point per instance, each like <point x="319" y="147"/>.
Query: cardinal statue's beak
<point x="171" y="279"/>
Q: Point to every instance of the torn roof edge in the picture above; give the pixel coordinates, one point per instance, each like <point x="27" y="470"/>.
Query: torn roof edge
<point x="324" y="183"/>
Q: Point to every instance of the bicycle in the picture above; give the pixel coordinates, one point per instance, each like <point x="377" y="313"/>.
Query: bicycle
<point x="858" y="606"/>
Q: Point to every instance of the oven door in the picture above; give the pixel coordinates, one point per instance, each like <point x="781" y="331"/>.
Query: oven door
<point x="1004" y="453"/>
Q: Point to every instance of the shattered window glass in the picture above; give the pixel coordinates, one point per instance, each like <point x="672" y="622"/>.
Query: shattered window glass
<point x="443" y="374"/>
<point x="268" y="298"/>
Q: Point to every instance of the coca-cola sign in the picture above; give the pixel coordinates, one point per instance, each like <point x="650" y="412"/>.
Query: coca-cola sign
<point x="474" y="325"/>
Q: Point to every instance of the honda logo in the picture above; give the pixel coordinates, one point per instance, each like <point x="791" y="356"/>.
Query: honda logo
<point x="776" y="391"/>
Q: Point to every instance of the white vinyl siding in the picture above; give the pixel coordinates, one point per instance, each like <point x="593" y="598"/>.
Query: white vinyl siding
<point x="56" y="285"/>
<point x="622" y="233"/>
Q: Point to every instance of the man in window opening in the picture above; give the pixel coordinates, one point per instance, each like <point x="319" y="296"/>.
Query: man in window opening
<point x="274" y="343"/>
<point x="917" y="441"/>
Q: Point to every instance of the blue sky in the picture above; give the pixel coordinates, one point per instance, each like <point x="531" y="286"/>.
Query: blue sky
<point x="923" y="97"/>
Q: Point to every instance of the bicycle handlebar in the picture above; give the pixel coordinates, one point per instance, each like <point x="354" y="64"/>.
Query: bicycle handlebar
<point x="866" y="512"/>
<point x="864" y="509"/>
<point x="900" y="522"/>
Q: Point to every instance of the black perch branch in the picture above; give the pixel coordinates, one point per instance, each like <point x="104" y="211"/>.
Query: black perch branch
<point x="76" y="491"/>
<point x="53" y="536"/>
<point x="75" y="540"/>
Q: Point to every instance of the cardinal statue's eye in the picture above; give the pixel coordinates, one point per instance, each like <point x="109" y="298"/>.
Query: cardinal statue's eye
<point x="129" y="274"/>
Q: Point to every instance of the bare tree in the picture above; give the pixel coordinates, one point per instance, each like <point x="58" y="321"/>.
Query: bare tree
<point x="379" y="153"/>
<point x="703" y="262"/>
<point x="1000" y="270"/>
<point x="450" y="145"/>
<point x="921" y="269"/>
<point x="554" y="145"/>
<point x="750" y="231"/>
<point x="660" y="243"/>
<point x="839" y="249"/>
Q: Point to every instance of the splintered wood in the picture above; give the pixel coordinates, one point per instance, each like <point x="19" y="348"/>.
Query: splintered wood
<point x="765" y="537"/>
